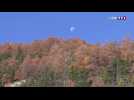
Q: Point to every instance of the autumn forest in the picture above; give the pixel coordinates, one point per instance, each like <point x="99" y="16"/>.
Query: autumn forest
<point x="56" y="62"/>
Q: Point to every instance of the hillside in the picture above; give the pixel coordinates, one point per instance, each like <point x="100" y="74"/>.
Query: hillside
<point x="73" y="62"/>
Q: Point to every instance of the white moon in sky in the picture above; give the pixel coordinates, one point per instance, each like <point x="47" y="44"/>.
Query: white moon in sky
<point x="72" y="28"/>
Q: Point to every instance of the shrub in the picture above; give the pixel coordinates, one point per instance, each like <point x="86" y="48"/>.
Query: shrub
<point x="79" y="76"/>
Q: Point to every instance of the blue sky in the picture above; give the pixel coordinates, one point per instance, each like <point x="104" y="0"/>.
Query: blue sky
<point x="93" y="27"/>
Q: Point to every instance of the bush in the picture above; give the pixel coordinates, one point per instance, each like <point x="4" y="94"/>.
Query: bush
<point x="79" y="76"/>
<point x="46" y="78"/>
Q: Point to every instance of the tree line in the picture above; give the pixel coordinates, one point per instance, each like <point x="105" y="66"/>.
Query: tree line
<point x="69" y="63"/>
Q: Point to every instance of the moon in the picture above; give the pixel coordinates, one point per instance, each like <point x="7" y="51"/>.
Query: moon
<point x="72" y="28"/>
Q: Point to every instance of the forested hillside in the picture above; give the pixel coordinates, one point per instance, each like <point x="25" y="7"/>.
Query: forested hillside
<point x="67" y="63"/>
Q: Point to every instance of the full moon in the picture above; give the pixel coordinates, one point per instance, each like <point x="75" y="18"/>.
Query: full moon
<point x="72" y="28"/>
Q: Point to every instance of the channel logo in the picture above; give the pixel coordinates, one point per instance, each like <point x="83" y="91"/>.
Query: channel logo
<point x="119" y="18"/>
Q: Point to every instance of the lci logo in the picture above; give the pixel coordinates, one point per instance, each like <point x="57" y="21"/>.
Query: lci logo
<point x="120" y="18"/>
